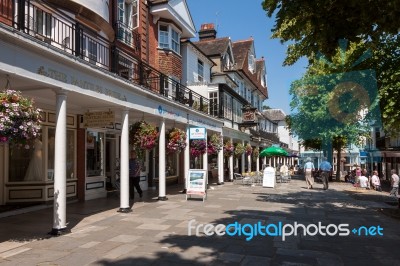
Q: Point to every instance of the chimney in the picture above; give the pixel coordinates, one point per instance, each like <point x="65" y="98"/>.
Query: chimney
<point x="207" y="32"/>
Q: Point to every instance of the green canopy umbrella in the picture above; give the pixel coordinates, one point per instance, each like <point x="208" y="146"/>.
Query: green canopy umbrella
<point x="273" y="151"/>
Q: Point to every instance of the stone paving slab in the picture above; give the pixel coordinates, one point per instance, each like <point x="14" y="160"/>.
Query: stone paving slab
<point x="156" y="233"/>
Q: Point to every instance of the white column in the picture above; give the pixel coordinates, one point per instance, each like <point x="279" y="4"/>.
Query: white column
<point x="243" y="159"/>
<point x="186" y="160"/>
<point x="124" y="165"/>
<point x="221" y="166"/>
<point x="249" y="162"/>
<point x="153" y="169"/>
<point x="274" y="161"/>
<point x="161" y="163"/>
<point x="258" y="161"/>
<point x="231" y="167"/>
<point x="205" y="162"/>
<point x="60" y="163"/>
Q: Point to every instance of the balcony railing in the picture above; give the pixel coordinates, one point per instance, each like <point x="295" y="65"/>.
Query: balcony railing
<point x="72" y="37"/>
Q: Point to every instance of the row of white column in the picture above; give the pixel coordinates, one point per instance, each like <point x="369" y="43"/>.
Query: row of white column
<point x="59" y="213"/>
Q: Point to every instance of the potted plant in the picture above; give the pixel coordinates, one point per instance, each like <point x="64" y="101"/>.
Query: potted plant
<point x="176" y="140"/>
<point x="248" y="149"/>
<point x="215" y="144"/>
<point x="256" y="153"/>
<point x="143" y="135"/>
<point x="198" y="147"/>
<point x="20" y="120"/>
<point x="228" y="149"/>
<point x="239" y="149"/>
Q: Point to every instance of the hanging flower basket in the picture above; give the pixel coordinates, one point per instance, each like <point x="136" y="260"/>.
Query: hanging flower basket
<point x="176" y="140"/>
<point x="215" y="144"/>
<point x="143" y="136"/>
<point x="256" y="153"/>
<point x="19" y="119"/>
<point x="248" y="149"/>
<point x="198" y="147"/>
<point x="228" y="149"/>
<point x="239" y="149"/>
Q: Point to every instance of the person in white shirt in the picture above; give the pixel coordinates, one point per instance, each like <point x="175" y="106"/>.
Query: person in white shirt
<point x="363" y="181"/>
<point x="395" y="184"/>
<point x="375" y="182"/>
<point x="308" y="169"/>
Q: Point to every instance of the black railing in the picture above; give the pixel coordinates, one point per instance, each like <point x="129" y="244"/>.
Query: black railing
<point x="72" y="37"/>
<point x="159" y="83"/>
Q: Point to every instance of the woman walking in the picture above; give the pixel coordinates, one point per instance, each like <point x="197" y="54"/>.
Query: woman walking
<point x="308" y="169"/>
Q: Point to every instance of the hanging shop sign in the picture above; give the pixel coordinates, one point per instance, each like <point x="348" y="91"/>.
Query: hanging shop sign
<point x="99" y="119"/>
<point x="249" y="118"/>
<point x="197" y="133"/>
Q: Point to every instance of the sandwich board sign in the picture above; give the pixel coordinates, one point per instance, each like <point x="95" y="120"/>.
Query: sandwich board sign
<point x="196" y="183"/>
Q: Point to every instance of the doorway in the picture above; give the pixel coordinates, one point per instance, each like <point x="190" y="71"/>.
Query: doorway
<point x="111" y="160"/>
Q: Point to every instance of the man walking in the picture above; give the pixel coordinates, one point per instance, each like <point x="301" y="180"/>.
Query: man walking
<point x="134" y="175"/>
<point x="326" y="170"/>
<point x="394" y="183"/>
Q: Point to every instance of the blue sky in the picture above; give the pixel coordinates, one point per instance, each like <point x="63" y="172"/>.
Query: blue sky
<point x="241" y="20"/>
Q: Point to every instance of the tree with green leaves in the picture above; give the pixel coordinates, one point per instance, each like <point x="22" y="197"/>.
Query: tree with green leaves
<point x="313" y="27"/>
<point x="316" y="26"/>
<point x="334" y="102"/>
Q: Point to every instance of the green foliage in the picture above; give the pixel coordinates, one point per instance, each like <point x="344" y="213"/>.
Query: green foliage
<point x="329" y="99"/>
<point x="315" y="26"/>
<point x="387" y="63"/>
<point x="239" y="149"/>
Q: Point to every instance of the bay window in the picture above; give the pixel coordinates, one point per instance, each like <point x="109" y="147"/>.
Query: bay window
<point x="168" y="38"/>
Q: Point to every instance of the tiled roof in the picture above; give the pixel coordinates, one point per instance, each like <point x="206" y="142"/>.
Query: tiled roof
<point x="275" y="114"/>
<point x="240" y="51"/>
<point x="213" y="47"/>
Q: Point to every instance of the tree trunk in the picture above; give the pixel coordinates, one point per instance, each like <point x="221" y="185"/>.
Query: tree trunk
<point x="338" y="162"/>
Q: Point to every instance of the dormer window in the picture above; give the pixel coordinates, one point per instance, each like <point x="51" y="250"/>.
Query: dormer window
<point x="252" y="63"/>
<point x="169" y="38"/>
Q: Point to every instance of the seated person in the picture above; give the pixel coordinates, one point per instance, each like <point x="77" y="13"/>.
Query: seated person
<point x="284" y="170"/>
<point x="363" y="181"/>
<point x="375" y="182"/>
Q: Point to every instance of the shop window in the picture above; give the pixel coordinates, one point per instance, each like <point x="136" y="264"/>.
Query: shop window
<point x="171" y="165"/>
<point x="70" y="165"/>
<point x="95" y="153"/>
<point x="27" y="165"/>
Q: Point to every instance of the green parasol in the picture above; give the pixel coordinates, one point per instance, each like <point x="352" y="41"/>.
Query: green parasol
<point x="273" y="151"/>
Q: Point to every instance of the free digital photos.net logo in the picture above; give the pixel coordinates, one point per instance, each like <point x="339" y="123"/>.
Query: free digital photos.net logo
<point x="280" y="229"/>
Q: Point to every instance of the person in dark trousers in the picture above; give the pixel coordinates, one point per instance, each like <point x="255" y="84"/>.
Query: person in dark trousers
<point x="134" y="175"/>
<point x="325" y="167"/>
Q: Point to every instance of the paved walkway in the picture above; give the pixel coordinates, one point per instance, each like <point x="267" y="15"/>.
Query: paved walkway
<point x="156" y="233"/>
